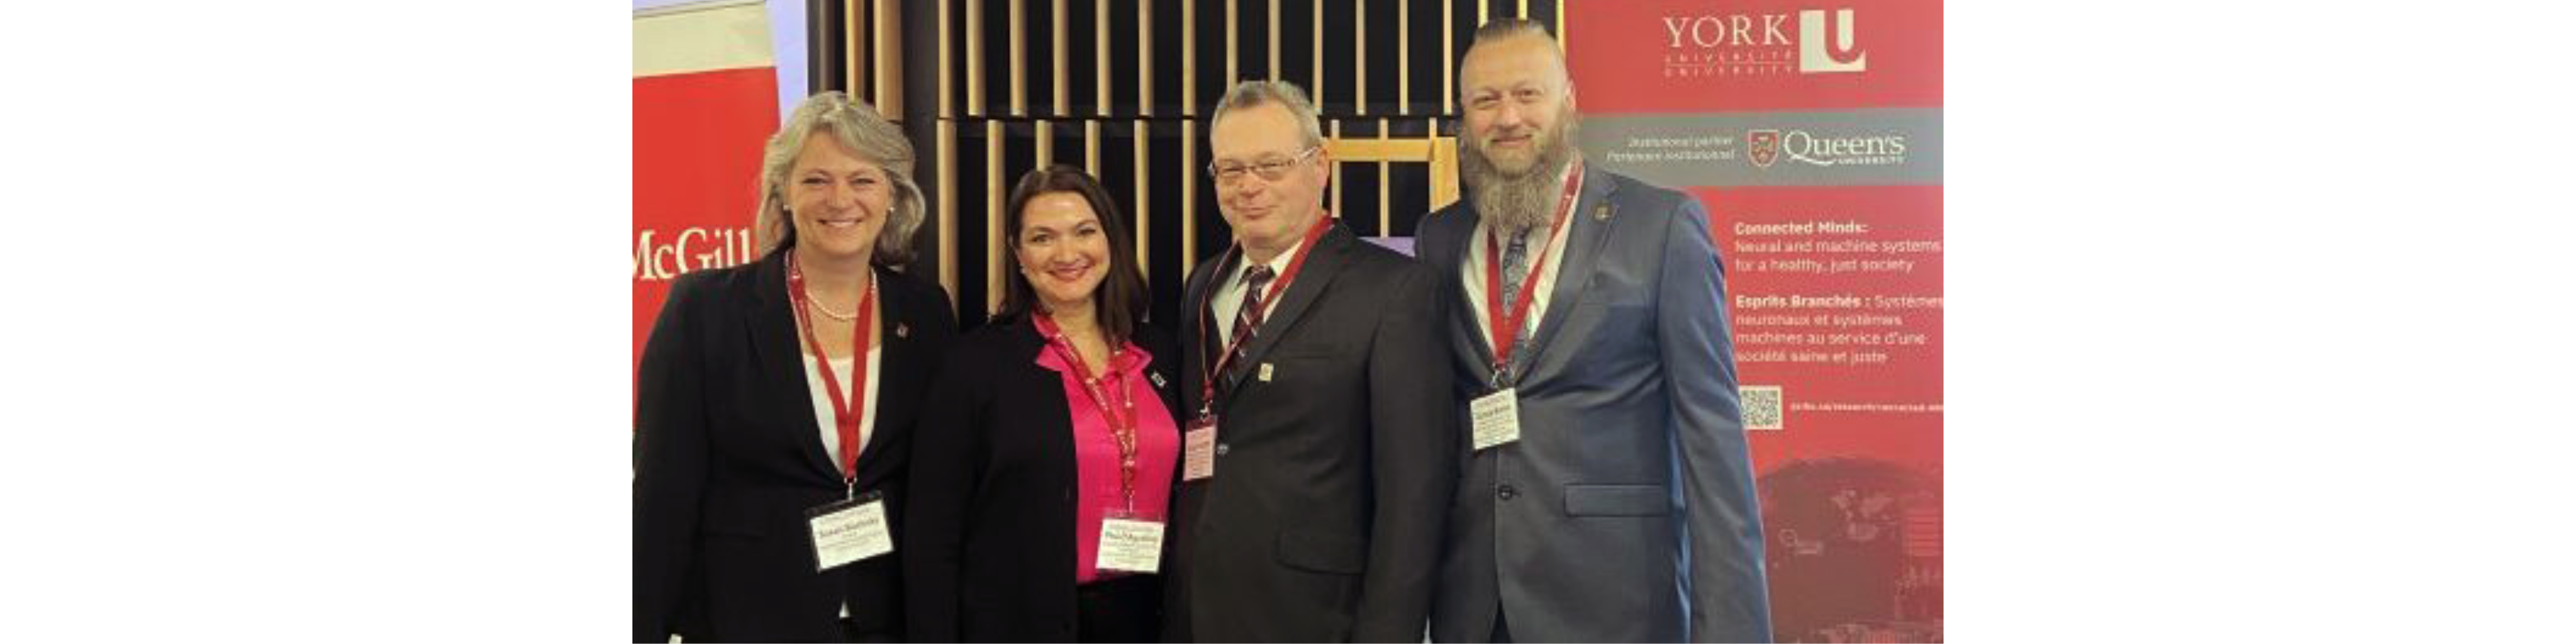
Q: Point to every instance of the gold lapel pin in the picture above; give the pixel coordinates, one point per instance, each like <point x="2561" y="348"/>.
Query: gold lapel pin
<point x="1601" y="212"/>
<point x="1265" y="372"/>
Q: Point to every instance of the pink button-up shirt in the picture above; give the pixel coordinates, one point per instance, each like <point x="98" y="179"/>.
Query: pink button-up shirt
<point x="1095" y="452"/>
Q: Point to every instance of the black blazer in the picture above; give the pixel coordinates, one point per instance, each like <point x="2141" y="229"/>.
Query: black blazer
<point x="1333" y="474"/>
<point x="989" y="545"/>
<point x="729" y="457"/>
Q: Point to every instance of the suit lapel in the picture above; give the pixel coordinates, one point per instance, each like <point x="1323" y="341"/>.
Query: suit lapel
<point x="892" y="383"/>
<point x="1466" y="337"/>
<point x="1585" y="237"/>
<point x="1198" y="294"/>
<point x="774" y="340"/>
<point x="1321" y="265"/>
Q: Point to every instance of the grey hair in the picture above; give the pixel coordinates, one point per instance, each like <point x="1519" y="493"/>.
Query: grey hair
<point x="1272" y="92"/>
<point x="858" y="127"/>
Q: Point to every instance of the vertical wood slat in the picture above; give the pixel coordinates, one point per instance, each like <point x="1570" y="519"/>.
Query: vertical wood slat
<point x="1444" y="167"/>
<point x="1315" y="47"/>
<point x="888" y="40"/>
<point x="1189" y="195"/>
<point x="1189" y="59"/>
<point x="1359" y="58"/>
<point x="854" y="53"/>
<point x="1144" y="60"/>
<point x="1061" y="29"/>
<point x="1144" y="220"/>
<point x="947" y="150"/>
<point x="1336" y="195"/>
<point x="944" y="153"/>
<point x="1100" y="97"/>
<point x="1448" y="59"/>
<point x="992" y="217"/>
<point x="1091" y="147"/>
<point x="974" y="58"/>
<point x="1046" y="143"/>
<point x="1560" y="26"/>
<point x="1385" y="197"/>
<point x="1019" y="58"/>
<point x="947" y="101"/>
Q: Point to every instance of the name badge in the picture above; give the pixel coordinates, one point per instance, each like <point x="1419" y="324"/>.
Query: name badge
<point x="849" y="530"/>
<point x="1497" y="417"/>
<point x="1198" y="450"/>
<point x="1129" y="545"/>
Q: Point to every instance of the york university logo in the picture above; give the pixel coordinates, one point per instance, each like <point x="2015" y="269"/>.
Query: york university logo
<point x="1765" y="147"/>
<point x="1760" y="44"/>
<point x="1825" y="44"/>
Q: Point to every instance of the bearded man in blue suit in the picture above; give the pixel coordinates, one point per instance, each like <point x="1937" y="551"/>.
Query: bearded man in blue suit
<point x="1606" y="494"/>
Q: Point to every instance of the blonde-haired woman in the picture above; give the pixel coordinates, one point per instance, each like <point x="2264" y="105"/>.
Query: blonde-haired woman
<point x="776" y="399"/>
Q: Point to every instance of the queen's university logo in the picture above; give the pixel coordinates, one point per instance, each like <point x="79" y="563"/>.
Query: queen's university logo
<point x="1763" y="147"/>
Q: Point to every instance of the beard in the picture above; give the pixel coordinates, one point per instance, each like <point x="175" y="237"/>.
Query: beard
<point x="1516" y="201"/>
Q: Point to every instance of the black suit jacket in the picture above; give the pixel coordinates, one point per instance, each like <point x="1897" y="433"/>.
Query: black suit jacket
<point x="1323" y="520"/>
<point x="729" y="457"/>
<point x="989" y="547"/>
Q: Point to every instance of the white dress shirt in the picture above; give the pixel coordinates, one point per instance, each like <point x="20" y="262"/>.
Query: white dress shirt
<point x="829" y="421"/>
<point x="823" y="416"/>
<point x="1229" y="294"/>
<point x="1473" y="270"/>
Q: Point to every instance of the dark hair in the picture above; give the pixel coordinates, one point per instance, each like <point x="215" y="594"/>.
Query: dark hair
<point x="1121" y="299"/>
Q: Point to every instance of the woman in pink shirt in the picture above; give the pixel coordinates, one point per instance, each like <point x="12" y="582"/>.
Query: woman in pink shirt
<point x="1042" y="468"/>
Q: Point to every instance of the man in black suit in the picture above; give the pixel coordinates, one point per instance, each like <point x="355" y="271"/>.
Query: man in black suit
<point x="1318" y="461"/>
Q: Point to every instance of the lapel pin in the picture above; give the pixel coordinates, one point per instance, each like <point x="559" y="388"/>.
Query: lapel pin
<point x="1158" y="380"/>
<point x="902" y="331"/>
<point x="1601" y="212"/>
<point x="1265" y="372"/>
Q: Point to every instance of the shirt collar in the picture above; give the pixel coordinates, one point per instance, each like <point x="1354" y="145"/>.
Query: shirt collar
<point x="1131" y="360"/>
<point x="1278" y="265"/>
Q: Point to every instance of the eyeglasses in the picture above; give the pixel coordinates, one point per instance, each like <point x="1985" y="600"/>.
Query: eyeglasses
<point x="1270" y="169"/>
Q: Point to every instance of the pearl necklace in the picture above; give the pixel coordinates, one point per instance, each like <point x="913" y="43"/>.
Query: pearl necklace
<point x="817" y="305"/>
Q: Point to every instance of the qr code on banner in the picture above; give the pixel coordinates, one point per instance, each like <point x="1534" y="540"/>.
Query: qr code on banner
<point x="1761" y="406"/>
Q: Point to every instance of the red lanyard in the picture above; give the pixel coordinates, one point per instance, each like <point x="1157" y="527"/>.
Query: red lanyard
<point x="1507" y="329"/>
<point x="843" y="415"/>
<point x="1207" y="386"/>
<point x="1121" y="429"/>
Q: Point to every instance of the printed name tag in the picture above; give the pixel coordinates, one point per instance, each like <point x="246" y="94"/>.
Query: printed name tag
<point x="1198" y="451"/>
<point x="848" y="531"/>
<point x="1497" y="417"/>
<point x="1128" y="545"/>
